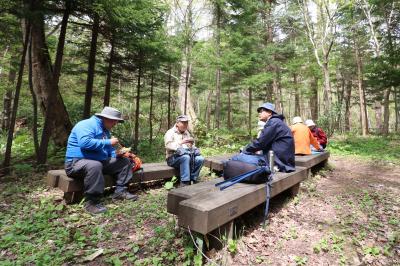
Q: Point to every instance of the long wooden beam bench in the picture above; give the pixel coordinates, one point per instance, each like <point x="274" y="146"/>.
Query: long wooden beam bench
<point x="211" y="208"/>
<point x="309" y="161"/>
<point x="73" y="188"/>
<point x="177" y="195"/>
<point x="215" y="163"/>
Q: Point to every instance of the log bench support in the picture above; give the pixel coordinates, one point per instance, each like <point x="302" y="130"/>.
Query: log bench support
<point x="73" y="188"/>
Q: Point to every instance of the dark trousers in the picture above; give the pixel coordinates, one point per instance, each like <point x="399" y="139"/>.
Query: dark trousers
<point x="93" y="173"/>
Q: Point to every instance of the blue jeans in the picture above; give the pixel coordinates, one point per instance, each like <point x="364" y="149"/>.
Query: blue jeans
<point x="183" y="164"/>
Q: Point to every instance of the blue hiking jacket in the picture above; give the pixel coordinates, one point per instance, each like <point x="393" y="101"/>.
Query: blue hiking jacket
<point x="89" y="139"/>
<point x="276" y="136"/>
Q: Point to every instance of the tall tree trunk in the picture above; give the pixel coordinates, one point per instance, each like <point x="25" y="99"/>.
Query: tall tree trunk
<point x="218" y="70"/>
<point x="169" y="95"/>
<point x="34" y="104"/>
<point x="297" y="111"/>
<point x="107" y="91"/>
<point x="361" y="92"/>
<point x="136" y="136"/>
<point x="151" y="109"/>
<point x="229" y="115"/>
<point x="43" y="82"/>
<point x="347" y="102"/>
<point x="327" y="87"/>
<point x="314" y="98"/>
<point x="7" y="100"/>
<point x="61" y="42"/>
<point x="7" y="155"/>
<point x="91" y="67"/>
<point x="386" y="111"/>
<point x="184" y="98"/>
<point x="396" y="108"/>
<point x="378" y="116"/>
<point x="208" y="110"/>
<point x="4" y="56"/>
<point x="277" y="95"/>
<point x="250" y="108"/>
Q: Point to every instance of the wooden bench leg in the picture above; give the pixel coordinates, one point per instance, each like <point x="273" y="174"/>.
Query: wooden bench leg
<point x="295" y="190"/>
<point x="218" y="238"/>
<point x="73" y="197"/>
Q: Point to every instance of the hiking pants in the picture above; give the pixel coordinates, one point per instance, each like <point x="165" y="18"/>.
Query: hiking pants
<point x="92" y="171"/>
<point x="182" y="163"/>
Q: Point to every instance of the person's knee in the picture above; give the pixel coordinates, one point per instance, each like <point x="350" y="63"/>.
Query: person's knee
<point x="94" y="167"/>
<point x="199" y="159"/>
<point x="185" y="158"/>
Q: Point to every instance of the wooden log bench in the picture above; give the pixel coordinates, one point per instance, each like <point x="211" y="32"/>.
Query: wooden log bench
<point x="73" y="188"/>
<point x="203" y="207"/>
<point x="215" y="163"/>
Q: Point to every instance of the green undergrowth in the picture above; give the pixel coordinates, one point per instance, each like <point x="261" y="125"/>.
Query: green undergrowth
<point x="37" y="228"/>
<point x="378" y="148"/>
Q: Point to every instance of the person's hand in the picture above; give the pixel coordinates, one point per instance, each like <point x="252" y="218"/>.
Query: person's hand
<point x="187" y="141"/>
<point x="114" y="141"/>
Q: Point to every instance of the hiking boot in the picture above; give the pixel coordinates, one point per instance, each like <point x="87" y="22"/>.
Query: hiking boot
<point x="124" y="195"/>
<point x="184" y="184"/>
<point x="93" y="207"/>
<point x="195" y="182"/>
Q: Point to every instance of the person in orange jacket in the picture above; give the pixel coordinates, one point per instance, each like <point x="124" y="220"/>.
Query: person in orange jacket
<point x="303" y="137"/>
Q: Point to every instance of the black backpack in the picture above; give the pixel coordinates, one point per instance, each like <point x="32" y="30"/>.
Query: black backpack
<point x="243" y="163"/>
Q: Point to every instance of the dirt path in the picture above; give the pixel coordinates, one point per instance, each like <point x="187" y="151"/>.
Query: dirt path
<point x="347" y="216"/>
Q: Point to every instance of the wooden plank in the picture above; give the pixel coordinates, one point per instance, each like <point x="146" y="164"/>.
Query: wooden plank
<point x="53" y="176"/>
<point x="151" y="172"/>
<point x="208" y="211"/>
<point x="309" y="161"/>
<point x="215" y="162"/>
<point x="175" y="196"/>
<point x="154" y="171"/>
<point x="68" y="184"/>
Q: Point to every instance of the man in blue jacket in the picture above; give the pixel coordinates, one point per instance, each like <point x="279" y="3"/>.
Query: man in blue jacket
<point x="275" y="136"/>
<point x="90" y="154"/>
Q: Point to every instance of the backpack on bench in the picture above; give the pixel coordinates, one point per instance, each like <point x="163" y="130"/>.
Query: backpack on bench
<point x="244" y="163"/>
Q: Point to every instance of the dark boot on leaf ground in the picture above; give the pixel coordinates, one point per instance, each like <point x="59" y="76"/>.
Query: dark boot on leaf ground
<point x="124" y="195"/>
<point x="94" y="207"/>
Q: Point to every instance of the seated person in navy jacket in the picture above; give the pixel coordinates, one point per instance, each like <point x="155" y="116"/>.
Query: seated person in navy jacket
<point x="275" y="136"/>
<point x="90" y="154"/>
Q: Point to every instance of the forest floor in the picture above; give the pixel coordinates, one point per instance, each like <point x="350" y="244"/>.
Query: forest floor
<point x="349" y="215"/>
<point x="346" y="215"/>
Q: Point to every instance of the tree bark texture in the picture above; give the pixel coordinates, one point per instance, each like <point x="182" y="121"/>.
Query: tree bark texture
<point x="386" y="111"/>
<point x="107" y="91"/>
<point x="43" y="84"/>
<point x="250" y="107"/>
<point x="7" y="155"/>
<point x="91" y="67"/>
<point x="184" y="98"/>
<point x="314" y="99"/>
<point x="7" y="100"/>
<point x="218" y="70"/>
<point x="347" y="103"/>
<point x="137" y="112"/>
<point x="151" y="109"/>
<point x="169" y="96"/>
<point x="34" y="104"/>
<point x="297" y="111"/>
<point x="229" y="113"/>
<point x="361" y="92"/>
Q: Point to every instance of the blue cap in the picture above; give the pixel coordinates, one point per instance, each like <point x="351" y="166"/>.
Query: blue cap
<point x="267" y="106"/>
